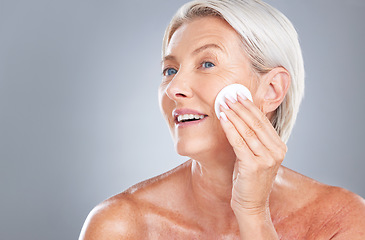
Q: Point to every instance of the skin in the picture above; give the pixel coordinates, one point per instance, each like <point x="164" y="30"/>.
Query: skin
<point x="234" y="186"/>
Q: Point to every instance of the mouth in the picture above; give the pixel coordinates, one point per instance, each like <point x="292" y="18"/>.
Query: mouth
<point x="188" y="116"/>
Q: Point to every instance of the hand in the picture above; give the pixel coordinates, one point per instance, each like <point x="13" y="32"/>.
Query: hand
<point x="259" y="151"/>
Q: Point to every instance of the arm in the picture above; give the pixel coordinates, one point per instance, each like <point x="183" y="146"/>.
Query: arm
<point x="259" y="151"/>
<point x="257" y="226"/>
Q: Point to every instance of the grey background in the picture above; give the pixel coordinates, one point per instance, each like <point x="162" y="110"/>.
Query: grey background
<point x="79" y="116"/>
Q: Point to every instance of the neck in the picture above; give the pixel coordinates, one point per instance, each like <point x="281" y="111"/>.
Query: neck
<point x="212" y="184"/>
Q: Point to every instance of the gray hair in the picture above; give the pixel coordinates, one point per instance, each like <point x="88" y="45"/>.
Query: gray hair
<point x="269" y="39"/>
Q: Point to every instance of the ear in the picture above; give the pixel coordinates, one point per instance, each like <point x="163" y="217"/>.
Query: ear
<point x="273" y="88"/>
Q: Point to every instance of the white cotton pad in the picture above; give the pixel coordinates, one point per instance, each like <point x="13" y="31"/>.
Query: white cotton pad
<point x="232" y="91"/>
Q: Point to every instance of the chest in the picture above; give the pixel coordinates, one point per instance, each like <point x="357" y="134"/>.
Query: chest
<point x="298" y="225"/>
<point x="305" y="226"/>
<point x="175" y="230"/>
<point x="295" y="227"/>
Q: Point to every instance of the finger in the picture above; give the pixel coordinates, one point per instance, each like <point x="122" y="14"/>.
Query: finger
<point x="257" y="118"/>
<point x="235" y="171"/>
<point x="239" y="145"/>
<point x="249" y="136"/>
<point x="274" y="142"/>
<point x="258" y="122"/>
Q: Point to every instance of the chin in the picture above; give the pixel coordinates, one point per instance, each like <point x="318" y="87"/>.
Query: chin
<point x="195" y="148"/>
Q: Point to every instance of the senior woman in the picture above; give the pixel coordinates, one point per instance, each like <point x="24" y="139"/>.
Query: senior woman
<point x="234" y="186"/>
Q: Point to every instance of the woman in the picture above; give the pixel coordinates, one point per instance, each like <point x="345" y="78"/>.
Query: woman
<point x="234" y="186"/>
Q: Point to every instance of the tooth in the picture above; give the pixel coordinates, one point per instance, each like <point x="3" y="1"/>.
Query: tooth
<point x="184" y="117"/>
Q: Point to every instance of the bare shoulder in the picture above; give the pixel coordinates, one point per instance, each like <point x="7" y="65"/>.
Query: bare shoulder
<point x="115" y="218"/>
<point x="346" y="212"/>
<point x="327" y="211"/>
<point x="125" y="215"/>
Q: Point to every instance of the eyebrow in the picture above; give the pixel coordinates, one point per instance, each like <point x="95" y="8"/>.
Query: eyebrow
<point x="206" y="46"/>
<point x="195" y="52"/>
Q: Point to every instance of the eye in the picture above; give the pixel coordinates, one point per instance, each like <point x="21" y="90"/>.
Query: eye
<point x="169" y="71"/>
<point x="207" y="65"/>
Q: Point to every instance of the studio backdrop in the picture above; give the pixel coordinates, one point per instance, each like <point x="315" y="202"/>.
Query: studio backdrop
<point x="79" y="114"/>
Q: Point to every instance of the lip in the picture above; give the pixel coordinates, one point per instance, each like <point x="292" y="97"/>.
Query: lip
<point x="182" y="111"/>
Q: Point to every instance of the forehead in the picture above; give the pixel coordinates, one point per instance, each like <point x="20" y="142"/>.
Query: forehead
<point x="201" y="31"/>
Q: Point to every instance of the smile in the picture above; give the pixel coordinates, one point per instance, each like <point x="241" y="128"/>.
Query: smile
<point x="189" y="120"/>
<point x="189" y="117"/>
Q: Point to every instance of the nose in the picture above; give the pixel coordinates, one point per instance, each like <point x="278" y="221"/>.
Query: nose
<point x="179" y="87"/>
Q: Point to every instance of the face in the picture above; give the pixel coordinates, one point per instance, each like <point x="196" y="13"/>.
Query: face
<point x="203" y="56"/>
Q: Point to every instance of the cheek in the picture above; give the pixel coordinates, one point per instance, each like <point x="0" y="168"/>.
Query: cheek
<point x="166" y="106"/>
<point x="239" y="73"/>
<point x="210" y="84"/>
<point x="208" y="92"/>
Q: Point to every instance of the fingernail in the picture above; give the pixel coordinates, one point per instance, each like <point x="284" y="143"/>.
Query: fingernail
<point x="230" y="98"/>
<point x="242" y="96"/>
<point x="224" y="104"/>
<point x="223" y="116"/>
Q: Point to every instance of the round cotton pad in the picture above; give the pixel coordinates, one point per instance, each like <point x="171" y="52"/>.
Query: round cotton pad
<point x="232" y="91"/>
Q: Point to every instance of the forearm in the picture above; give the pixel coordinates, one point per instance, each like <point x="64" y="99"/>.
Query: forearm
<point x="256" y="227"/>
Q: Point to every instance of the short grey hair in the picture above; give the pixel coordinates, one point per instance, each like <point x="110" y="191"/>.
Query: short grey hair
<point x="269" y="39"/>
